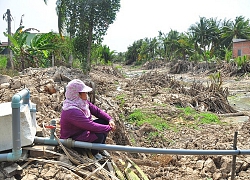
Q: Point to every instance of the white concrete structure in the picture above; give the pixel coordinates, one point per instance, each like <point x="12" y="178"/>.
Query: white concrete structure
<point x="27" y="126"/>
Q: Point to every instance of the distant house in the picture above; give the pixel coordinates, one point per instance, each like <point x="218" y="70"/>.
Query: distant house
<point x="241" y="47"/>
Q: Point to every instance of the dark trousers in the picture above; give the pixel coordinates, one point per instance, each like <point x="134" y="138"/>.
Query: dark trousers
<point x="101" y="137"/>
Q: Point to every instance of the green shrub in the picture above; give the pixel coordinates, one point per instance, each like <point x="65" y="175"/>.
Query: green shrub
<point x="121" y="99"/>
<point x="3" y="61"/>
<point x="139" y="118"/>
<point x="208" y="118"/>
<point x="199" y="117"/>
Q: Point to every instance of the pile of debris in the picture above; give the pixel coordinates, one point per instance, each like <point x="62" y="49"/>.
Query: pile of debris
<point x="155" y="92"/>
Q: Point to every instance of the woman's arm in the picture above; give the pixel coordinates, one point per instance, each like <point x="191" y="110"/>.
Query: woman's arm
<point x="99" y="113"/>
<point x="77" y="118"/>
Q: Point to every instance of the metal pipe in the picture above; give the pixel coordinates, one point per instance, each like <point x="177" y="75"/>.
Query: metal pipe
<point x="16" y="138"/>
<point x="72" y="143"/>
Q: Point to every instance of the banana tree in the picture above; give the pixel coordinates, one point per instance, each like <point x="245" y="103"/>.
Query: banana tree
<point x="34" y="53"/>
<point x="19" y="45"/>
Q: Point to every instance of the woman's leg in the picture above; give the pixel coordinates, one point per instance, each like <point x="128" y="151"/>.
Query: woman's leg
<point x="101" y="137"/>
<point x="101" y="121"/>
<point x="104" y="135"/>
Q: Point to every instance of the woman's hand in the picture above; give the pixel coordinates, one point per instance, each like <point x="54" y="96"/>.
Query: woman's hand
<point x="112" y="125"/>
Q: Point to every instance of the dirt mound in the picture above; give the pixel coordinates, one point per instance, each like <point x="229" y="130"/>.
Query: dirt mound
<point x="120" y="96"/>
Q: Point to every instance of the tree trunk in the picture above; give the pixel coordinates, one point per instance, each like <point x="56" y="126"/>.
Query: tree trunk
<point x="89" y="48"/>
<point x="70" y="60"/>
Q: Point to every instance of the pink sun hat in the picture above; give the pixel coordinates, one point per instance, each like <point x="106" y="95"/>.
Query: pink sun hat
<point x="76" y="86"/>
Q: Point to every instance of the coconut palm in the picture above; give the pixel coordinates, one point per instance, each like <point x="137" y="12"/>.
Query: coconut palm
<point x="239" y="29"/>
<point x="171" y="44"/>
<point x="204" y="33"/>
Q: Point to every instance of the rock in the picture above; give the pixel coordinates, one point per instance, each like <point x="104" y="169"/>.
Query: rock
<point x="200" y="164"/>
<point x="217" y="175"/>
<point x="30" y="177"/>
<point x="12" y="170"/>
<point x="4" y="79"/>
<point x="226" y="164"/>
<point x="15" y="84"/>
<point x="4" y="85"/>
<point x="209" y="166"/>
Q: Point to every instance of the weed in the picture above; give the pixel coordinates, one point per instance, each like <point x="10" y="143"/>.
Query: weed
<point x="118" y="67"/>
<point x="3" y="61"/>
<point x="121" y="99"/>
<point x="161" y="105"/>
<point x="208" y="118"/>
<point x="199" y="117"/>
<point x="139" y="118"/>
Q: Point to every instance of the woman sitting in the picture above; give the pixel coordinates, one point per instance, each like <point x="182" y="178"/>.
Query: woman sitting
<point x="77" y="111"/>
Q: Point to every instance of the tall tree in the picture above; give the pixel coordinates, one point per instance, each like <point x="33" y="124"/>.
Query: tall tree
<point x="87" y="21"/>
<point x="172" y="44"/>
<point x="239" y="29"/>
<point x="203" y="33"/>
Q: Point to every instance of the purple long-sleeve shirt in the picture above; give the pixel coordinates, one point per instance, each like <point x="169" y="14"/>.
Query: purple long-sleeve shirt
<point x="74" y="124"/>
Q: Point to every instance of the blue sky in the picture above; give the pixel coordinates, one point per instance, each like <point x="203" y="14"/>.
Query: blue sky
<point x="136" y="19"/>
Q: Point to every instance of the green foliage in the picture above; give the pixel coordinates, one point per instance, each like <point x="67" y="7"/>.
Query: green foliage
<point x="87" y="25"/>
<point x="139" y="118"/>
<point x="34" y="53"/>
<point x="77" y="64"/>
<point x="3" y="61"/>
<point x="228" y="55"/>
<point x="207" y="39"/>
<point x="119" y="57"/>
<point x="153" y="135"/>
<point x="121" y="99"/>
<point x="118" y="67"/>
<point x="208" y="118"/>
<point x="241" y="61"/>
<point x="196" y="57"/>
<point x="188" y="111"/>
<point x="199" y="117"/>
<point x="216" y="80"/>
<point x="102" y="55"/>
<point x="9" y="72"/>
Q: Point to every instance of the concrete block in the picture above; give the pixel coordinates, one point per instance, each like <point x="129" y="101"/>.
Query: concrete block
<point x="27" y="126"/>
<point x="12" y="170"/>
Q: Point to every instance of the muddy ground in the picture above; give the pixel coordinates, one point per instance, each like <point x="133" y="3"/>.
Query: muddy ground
<point x="120" y="91"/>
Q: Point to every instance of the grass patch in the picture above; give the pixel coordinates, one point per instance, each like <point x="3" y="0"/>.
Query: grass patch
<point x="9" y="72"/>
<point x="139" y="118"/>
<point x="200" y="117"/>
<point x="208" y="118"/>
<point x="118" y="67"/>
<point x="188" y="117"/>
<point x="121" y="99"/>
<point x="3" y="70"/>
<point x="3" y="61"/>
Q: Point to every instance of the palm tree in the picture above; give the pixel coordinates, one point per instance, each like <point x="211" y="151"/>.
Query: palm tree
<point x="171" y="43"/>
<point x="214" y="36"/>
<point x="204" y="34"/>
<point x="132" y="54"/>
<point x="185" y="46"/>
<point x="239" y="29"/>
